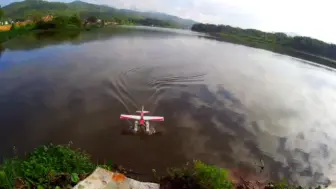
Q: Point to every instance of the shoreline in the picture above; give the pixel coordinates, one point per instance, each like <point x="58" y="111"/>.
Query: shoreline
<point x="11" y="34"/>
<point x="277" y="48"/>
<point x="56" y="166"/>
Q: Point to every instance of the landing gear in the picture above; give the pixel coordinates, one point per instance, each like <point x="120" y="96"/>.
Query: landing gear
<point x="136" y="126"/>
<point x="139" y="129"/>
<point x="146" y="128"/>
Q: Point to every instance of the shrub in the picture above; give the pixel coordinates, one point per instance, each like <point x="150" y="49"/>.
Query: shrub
<point x="211" y="177"/>
<point x="46" y="166"/>
<point x="60" y="22"/>
<point x="197" y="176"/>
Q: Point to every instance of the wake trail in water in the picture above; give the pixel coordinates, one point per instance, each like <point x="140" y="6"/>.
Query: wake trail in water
<point x="137" y="86"/>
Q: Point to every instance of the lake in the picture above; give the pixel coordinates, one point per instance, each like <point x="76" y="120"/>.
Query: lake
<point x="225" y="104"/>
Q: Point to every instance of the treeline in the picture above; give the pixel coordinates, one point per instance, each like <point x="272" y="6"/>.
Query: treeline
<point x="300" y="43"/>
<point x="152" y="22"/>
<point x="128" y="19"/>
<point x="57" y="23"/>
<point x="26" y="8"/>
<point x="60" y="22"/>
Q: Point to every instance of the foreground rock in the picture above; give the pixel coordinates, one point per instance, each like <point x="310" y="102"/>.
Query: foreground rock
<point x="104" y="179"/>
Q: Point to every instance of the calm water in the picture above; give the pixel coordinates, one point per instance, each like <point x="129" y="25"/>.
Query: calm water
<point x="225" y="104"/>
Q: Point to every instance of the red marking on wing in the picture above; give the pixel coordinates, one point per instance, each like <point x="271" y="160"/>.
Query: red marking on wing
<point x="136" y="117"/>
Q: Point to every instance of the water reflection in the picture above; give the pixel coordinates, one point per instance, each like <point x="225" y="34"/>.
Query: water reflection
<point x="225" y="104"/>
<point x="76" y="37"/>
<point x="2" y="49"/>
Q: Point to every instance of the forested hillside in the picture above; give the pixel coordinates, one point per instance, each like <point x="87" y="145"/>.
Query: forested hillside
<point x="24" y="9"/>
<point x="299" y="43"/>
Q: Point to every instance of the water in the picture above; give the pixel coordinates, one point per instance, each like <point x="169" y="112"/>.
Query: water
<point x="225" y="104"/>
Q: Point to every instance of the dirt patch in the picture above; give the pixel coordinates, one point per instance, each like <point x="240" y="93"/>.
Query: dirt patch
<point x="244" y="179"/>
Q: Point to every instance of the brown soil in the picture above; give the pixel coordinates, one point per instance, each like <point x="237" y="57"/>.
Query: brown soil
<point x="243" y="179"/>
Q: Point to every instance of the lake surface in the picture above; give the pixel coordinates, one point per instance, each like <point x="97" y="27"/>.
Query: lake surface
<point x="225" y="104"/>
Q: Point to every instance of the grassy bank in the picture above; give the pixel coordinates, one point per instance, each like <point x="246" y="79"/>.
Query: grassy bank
<point x="60" y="166"/>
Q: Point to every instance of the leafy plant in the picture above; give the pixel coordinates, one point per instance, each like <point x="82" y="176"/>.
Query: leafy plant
<point x="45" y="165"/>
<point x="199" y="175"/>
<point x="211" y="176"/>
<point x="75" y="178"/>
<point x="9" y="171"/>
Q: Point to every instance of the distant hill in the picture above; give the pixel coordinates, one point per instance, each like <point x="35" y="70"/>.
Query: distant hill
<point x="25" y="8"/>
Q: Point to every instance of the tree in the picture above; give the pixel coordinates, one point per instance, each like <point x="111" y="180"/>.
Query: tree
<point x="36" y="16"/>
<point x="75" y="20"/>
<point x="2" y="13"/>
<point x="300" y="43"/>
<point x="92" y="19"/>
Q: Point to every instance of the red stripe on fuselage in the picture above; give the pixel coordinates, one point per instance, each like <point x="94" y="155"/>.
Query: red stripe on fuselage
<point x="142" y="121"/>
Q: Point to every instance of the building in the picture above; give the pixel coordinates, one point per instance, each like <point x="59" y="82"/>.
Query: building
<point x="48" y="18"/>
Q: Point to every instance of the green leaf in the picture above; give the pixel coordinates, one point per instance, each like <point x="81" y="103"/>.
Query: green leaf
<point x="74" y="177"/>
<point x="57" y="187"/>
<point x="109" y="162"/>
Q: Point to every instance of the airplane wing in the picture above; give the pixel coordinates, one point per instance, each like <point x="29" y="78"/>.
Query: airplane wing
<point x="136" y="117"/>
<point x="153" y="118"/>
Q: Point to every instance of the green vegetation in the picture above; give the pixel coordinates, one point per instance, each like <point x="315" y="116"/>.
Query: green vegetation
<point x="78" y="15"/>
<point x="197" y="176"/>
<point x="47" y="167"/>
<point x="27" y="8"/>
<point x="60" y="166"/>
<point x="14" y="32"/>
<point x="1" y="13"/>
<point x="59" y="23"/>
<point x="304" y="47"/>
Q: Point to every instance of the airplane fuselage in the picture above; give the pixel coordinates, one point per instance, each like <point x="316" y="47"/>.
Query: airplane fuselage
<point x="142" y="120"/>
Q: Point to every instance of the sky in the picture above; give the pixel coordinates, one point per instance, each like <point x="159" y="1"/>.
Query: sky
<point x="312" y="18"/>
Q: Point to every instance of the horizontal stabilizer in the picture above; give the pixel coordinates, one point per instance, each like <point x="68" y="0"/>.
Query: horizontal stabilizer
<point x="145" y="112"/>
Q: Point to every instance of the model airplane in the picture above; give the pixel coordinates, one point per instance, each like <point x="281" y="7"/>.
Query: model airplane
<point x="141" y="120"/>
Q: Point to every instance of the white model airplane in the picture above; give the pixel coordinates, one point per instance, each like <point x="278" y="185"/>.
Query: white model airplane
<point x="141" y="120"/>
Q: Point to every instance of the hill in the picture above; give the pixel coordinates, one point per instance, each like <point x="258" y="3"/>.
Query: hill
<point x="23" y="9"/>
